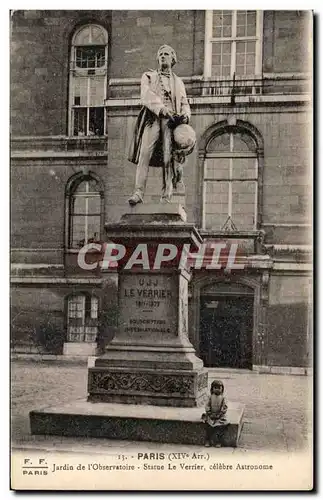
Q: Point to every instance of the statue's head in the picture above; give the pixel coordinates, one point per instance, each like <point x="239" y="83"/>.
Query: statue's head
<point x="166" y="56"/>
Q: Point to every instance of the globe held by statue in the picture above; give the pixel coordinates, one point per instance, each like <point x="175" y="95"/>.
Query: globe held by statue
<point x="184" y="138"/>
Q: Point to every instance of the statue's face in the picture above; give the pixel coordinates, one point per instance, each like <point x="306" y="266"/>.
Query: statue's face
<point x="165" y="58"/>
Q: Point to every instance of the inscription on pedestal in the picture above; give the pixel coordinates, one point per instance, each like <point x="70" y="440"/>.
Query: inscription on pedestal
<point x="148" y="306"/>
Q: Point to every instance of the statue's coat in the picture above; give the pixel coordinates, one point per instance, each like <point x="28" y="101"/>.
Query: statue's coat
<point x="151" y="99"/>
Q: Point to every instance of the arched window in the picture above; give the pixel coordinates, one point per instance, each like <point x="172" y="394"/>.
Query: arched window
<point x="230" y="181"/>
<point x="88" y="81"/>
<point x="85" y="211"/>
<point x="82" y="318"/>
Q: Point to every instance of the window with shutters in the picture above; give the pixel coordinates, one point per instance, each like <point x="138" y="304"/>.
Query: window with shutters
<point x="88" y="81"/>
<point x="233" y="43"/>
<point x="82" y="318"/>
<point x="230" y="182"/>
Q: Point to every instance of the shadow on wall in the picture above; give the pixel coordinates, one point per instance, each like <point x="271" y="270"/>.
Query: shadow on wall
<point x="34" y="331"/>
<point x="41" y="334"/>
<point x="108" y="327"/>
<point x="108" y="321"/>
<point x="288" y="339"/>
<point x="50" y="337"/>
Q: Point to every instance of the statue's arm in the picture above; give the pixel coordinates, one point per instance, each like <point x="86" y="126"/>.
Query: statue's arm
<point x="148" y="97"/>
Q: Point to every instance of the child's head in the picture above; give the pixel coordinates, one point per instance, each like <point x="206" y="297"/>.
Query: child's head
<point x="217" y="387"/>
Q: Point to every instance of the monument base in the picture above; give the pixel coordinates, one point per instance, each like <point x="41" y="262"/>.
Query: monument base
<point x="132" y="422"/>
<point x="186" y="388"/>
<point x="146" y="213"/>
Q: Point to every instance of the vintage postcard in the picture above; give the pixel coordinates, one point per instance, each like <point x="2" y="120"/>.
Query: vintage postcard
<point x="161" y="252"/>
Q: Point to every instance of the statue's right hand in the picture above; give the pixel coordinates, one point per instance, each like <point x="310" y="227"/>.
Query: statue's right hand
<point x="165" y="113"/>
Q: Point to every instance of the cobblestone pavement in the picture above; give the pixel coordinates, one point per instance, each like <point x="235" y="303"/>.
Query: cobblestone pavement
<point x="277" y="407"/>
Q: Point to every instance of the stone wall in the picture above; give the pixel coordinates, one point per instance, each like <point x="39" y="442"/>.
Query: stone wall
<point x="137" y="35"/>
<point x="286" y="28"/>
<point x="287" y="316"/>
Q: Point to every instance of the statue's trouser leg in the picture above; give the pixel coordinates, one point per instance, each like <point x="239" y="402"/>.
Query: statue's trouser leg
<point x="168" y="162"/>
<point x="149" y="139"/>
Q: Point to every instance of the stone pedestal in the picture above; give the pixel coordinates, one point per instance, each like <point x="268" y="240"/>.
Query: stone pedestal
<point x="151" y="360"/>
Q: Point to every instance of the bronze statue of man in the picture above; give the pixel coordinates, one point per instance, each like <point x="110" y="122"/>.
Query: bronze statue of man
<point x="165" y="106"/>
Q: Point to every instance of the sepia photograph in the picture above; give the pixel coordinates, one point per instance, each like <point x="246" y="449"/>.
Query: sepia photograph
<point x="161" y="267"/>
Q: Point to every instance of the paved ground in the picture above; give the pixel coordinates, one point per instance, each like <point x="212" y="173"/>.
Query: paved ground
<point x="277" y="407"/>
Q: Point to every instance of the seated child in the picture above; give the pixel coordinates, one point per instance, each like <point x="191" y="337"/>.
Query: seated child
<point x="215" y="413"/>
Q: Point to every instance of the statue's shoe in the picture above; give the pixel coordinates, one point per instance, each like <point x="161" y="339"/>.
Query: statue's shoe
<point x="165" y="199"/>
<point x="134" y="199"/>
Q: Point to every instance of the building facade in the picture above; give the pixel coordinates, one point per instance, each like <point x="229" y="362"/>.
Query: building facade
<point x="75" y="84"/>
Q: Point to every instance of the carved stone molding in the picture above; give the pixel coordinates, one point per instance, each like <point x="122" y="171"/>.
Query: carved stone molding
<point x="265" y="286"/>
<point x="297" y="253"/>
<point x="260" y="243"/>
<point x="157" y="387"/>
<point x="202" y="381"/>
<point x="142" y="382"/>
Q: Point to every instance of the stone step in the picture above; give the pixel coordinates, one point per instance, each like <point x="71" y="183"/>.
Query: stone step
<point x="133" y="422"/>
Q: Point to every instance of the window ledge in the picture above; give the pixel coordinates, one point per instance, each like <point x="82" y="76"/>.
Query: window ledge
<point x="48" y="146"/>
<point x="22" y="155"/>
<point x="77" y="250"/>
<point x="210" y="233"/>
